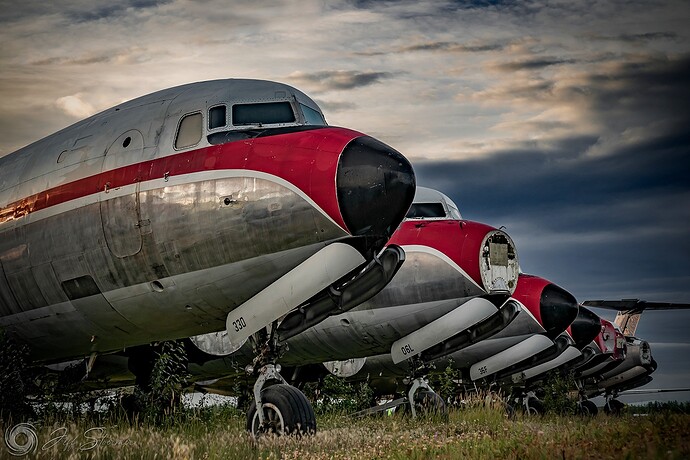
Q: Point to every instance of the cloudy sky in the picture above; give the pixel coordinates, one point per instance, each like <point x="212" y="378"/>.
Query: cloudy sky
<point x="566" y="122"/>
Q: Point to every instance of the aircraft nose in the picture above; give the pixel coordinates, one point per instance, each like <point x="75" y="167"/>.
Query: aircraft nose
<point x="558" y="309"/>
<point x="585" y="328"/>
<point x="375" y="187"/>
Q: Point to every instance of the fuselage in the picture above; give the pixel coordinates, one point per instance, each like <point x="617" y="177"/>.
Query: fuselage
<point x="448" y="262"/>
<point x="546" y="311"/>
<point x="155" y="218"/>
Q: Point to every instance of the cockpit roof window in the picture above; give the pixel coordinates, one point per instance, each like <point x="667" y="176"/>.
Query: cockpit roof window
<point x="216" y="117"/>
<point x="312" y="117"/>
<point x="265" y="113"/>
<point x="426" y="210"/>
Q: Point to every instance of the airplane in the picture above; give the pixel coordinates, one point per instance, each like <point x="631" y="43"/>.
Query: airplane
<point x="428" y="310"/>
<point x="452" y="290"/>
<point x="614" y="362"/>
<point x="550" y="332"/>
<point x="631" y="363"/>
<point x="214" y="205"/>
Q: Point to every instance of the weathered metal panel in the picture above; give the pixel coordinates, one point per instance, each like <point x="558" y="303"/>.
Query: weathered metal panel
<point x="8" y="304"/>
<point x="26" y="290"/>
<point x="121" y="225"/>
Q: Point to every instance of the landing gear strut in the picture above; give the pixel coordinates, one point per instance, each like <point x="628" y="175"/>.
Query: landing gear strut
<point x="531" y="405"/>
<point x="421" y="397"/>
<point x="613" y="406"/>
<point x="284" y="408"/>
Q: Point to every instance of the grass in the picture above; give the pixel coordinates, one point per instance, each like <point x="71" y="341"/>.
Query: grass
<point x="475" y="432"/>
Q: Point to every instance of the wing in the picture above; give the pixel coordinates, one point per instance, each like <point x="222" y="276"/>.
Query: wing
<point x="629" y="310"/>
<point x="634" y="305"/>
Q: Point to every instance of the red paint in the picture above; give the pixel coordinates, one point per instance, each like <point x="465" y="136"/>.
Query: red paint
<point x="528" y="292"/>
<point x="306" y="159"/>
<point x="460" y="240"/>
<point x="608" y="331"/>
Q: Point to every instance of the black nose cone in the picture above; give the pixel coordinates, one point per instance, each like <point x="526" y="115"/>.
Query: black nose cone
<point x="558" y="309"/>
<point x="585" y="328"/>
<point x="376" y="185"/>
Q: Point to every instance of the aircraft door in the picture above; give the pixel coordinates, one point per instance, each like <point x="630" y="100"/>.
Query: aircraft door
<point x="120" y="211"/>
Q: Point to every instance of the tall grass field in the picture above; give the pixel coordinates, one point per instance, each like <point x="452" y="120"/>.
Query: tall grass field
<point x="473" y="432"/>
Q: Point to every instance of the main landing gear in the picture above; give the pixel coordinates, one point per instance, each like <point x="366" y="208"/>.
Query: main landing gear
<point x="283" y="408"/>
<point x="613" y="406"/>
<point x="587" y="408"/>
<point x="421" y="398"/>
<point x="528" y="401"/>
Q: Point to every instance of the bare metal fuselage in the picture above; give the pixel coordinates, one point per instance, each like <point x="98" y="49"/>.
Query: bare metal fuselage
<point x="110" y="237"/>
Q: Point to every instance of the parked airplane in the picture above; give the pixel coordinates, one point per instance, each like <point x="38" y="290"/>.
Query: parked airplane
<point x="528" y="347"/>
<point x="630" y="364"/>
<point x="445" y="298"/>
<point x="219" y="204"/>
<point x="452" y="290"/>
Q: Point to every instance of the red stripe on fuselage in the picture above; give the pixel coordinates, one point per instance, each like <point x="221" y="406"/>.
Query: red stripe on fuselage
<point x="460" y="240"/>
<point x="306" y="159"/>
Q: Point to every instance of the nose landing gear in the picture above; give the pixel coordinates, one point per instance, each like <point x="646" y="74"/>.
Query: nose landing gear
<point x="283" y="409"/>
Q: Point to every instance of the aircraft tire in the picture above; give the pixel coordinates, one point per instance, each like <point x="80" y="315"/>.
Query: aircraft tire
<point x="614" y="407"/>
<point x="588" y="408"/>
<point x="535" y="406"/>
<point x="426" y="403"/>
<point x="286" y="411"/>
<point x="429" y="403"/>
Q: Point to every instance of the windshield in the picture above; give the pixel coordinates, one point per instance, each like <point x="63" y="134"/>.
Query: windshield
<point x="267" y="113"/>
<point x="311" y="116"/>
<point x="422" y="210"/>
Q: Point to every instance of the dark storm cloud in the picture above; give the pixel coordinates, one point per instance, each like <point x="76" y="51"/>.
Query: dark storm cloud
<point x="114" y="9"/>
<point x="339" y="79"/>
<point x="73" y="10"/>
<point x="637" y="38"/>
<point x="438" y="46"/>
<point x="610" y="224"/>
<point x="533" y="64"/>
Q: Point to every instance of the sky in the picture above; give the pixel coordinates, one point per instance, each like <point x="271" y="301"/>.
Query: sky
<point x="566" y="122"/>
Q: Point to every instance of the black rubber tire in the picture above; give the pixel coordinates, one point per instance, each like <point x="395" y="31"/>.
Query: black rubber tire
<point x="534" y="406"/>
<point x="287" y="410"/>
<point x="614" y="407"/>
<point x="588" y="408"/>
<point x="426" y="403"/>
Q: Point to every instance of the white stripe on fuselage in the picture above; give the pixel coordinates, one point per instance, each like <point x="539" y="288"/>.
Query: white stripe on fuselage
<point x="436" y="253"/>
<point x="449" y="261"/>
<point x="157" y="184"/>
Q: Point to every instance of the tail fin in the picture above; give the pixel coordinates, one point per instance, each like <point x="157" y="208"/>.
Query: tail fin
<point x="629" y="310"/>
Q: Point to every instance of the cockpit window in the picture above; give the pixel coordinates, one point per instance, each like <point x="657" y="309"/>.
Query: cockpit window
<point x="425" y="210"/>
<point x="454" y="211"/>
<point x="311" y="116"/>
<point x="216" y="117"/>
<point x="266" y="113"/>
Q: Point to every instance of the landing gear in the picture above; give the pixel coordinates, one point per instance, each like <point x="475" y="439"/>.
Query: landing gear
<point x="587" y="408"/>
<point x="534" y="406"/>
<point x="421" y="397"/>
<point x="284" y="408"/>
<point x="423" y="400"/>
<point x="531" y="405"/>
<point x="613" y="406"/>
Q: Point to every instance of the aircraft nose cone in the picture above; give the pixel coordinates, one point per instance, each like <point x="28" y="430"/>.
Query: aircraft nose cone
<point x="375" y="186"/>
<point x="585" y="328"/>
<point x="558" y="309"/>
